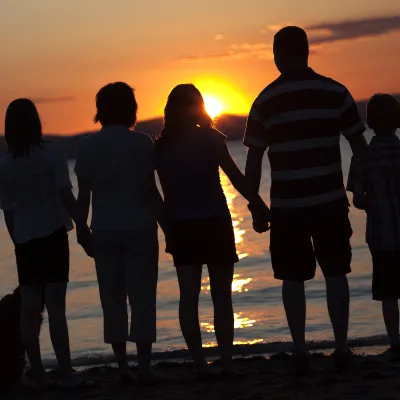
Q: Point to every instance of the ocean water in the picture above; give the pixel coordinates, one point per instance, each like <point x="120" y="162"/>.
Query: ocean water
<point x="259" y="314"/>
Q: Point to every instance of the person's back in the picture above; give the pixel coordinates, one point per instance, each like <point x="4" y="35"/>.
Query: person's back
<point x="31" y="183"/>
<point x="299" y="118"/>
<point x="374" y="180"/>
<point x="118" y="162"/>
<point x="115" y="169"/>
<point x="189" y="172"/>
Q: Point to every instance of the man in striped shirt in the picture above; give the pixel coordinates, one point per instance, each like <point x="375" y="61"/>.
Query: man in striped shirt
<point x="299" y="118"/>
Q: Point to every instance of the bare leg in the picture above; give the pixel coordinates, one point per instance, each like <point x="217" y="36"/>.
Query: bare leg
<point x="31" y="300"/>
<point x="390" y="310"/>
<point x="144" y="356"/>
<point x="294" y="301"/>
<point x="119" y="350"/>
<point x="56" y="308"/>
<point x="189" y="278"/>
<point x="338" y="298"/>
<point x="221" y="277"/>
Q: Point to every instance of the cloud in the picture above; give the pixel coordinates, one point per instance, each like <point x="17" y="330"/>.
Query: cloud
<point x="258" y="51"/>
<point x="319" y="34"/>
<point x="219" y="37"/>
<point x="48" y="100"/>
<point x="352" y="29"/>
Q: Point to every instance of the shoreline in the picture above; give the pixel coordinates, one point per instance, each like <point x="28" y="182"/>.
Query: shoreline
<point x="370" y="346"/>
<point x="370" y="377"/>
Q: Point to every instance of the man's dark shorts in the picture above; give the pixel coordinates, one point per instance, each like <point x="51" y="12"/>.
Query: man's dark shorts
<point x="302" y="237"/>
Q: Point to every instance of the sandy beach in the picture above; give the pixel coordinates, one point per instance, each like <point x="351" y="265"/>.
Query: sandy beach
<point x="267" y="377"/>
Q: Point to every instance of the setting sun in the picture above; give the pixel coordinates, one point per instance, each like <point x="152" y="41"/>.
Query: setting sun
<point x="213" y="106"/>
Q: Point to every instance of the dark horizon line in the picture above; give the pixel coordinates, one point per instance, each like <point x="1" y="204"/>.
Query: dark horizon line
<point x="158" y="118"/>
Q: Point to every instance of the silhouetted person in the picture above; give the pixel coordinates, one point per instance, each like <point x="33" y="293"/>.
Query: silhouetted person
<point x="299" y="119"/>
<point x="374" y="180"/>
<point x="36" y="196"/>
<point x="116" y="168"/>
<point x="188" y="156"/>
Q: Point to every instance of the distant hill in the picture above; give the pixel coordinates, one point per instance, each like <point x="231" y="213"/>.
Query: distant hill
<point x="232" y="126"/>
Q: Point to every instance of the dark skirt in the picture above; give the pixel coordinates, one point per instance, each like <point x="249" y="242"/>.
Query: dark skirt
<point x="44" y="260"/>
<point x="202" y="242"/>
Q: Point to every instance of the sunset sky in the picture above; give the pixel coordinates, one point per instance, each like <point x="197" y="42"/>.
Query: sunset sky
<point x="59" y="52"/>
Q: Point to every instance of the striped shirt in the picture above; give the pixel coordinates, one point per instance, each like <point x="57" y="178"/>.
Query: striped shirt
<point x="299" y="118"/>
<point x="375" y="172"/>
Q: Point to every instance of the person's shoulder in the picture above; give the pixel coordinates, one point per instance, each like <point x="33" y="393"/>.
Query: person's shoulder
<point x="333" y="84"/>
<point x="217" y="134"/>
<point x="272" y="86"/>
<point x="142" y="140"/>
<point x="86" y="142"/>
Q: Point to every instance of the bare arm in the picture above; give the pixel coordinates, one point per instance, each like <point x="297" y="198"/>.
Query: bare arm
<point x="357" y="143"/>
<point x="9" y="220"/>
<point x="84" y="197"/>
<point x="73" y="209"/>
<point x="254" y="167"/>
<point x="247" y="188"/>
<point x="157" y="203"/>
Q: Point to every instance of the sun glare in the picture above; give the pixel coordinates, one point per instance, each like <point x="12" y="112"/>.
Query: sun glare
<point x="213" y="106"/>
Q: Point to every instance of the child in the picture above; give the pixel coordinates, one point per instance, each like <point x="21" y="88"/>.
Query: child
<point x="374" y="180"/>
<point x="38" y="204"/>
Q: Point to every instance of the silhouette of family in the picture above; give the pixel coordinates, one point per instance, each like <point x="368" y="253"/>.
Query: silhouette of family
<point x="298" y="118"/>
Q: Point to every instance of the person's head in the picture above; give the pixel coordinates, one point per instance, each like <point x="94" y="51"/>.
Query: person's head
<point x="23" y="129"/>
<point x="116" y="105"/>
<point x="383" y="114"/>
<point x="185" y="109"/>
<point x="291" y="49"/>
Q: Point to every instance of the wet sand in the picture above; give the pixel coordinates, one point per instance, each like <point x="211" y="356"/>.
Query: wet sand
<point x="371" y="377"/>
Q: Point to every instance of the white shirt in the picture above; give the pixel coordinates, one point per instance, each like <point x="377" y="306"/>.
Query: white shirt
<point x="29" y="186"/>
<point x="118" y="164"/>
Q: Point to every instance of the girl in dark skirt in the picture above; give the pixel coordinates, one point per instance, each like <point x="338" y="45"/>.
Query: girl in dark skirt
<point x="189" y="154"/>
<point x="38" y="204"/>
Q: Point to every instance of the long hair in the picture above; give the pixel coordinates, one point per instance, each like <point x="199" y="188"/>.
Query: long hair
<point x="23" y="129"/>
<point x="185" y="110"/>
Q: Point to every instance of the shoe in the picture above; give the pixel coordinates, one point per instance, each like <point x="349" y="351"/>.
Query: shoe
<point x="395" y="353"/>
<point x="342" y="361"/>
<point x="301" y="365"/>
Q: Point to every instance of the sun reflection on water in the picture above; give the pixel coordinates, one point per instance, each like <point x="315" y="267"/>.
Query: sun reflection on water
<point x="231" y="194"/>
<point x="238" y="284"/>
<point x="240" y="322"/>
<point x="237" y="343"/>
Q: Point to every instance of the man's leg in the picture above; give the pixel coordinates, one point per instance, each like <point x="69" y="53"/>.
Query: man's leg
<point x="331" y="237"/>
<point x="293" y="261"/>
<point x="338" y="299"/>
<point x="294" y="301"/>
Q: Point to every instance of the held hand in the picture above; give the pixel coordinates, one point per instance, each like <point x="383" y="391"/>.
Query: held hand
<point x="84" y="237"/>
<point x="261" y="217"/>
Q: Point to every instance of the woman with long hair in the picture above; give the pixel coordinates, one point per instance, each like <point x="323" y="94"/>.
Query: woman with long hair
<point x="189" y="154"/>
<point x="38" y="203"/>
